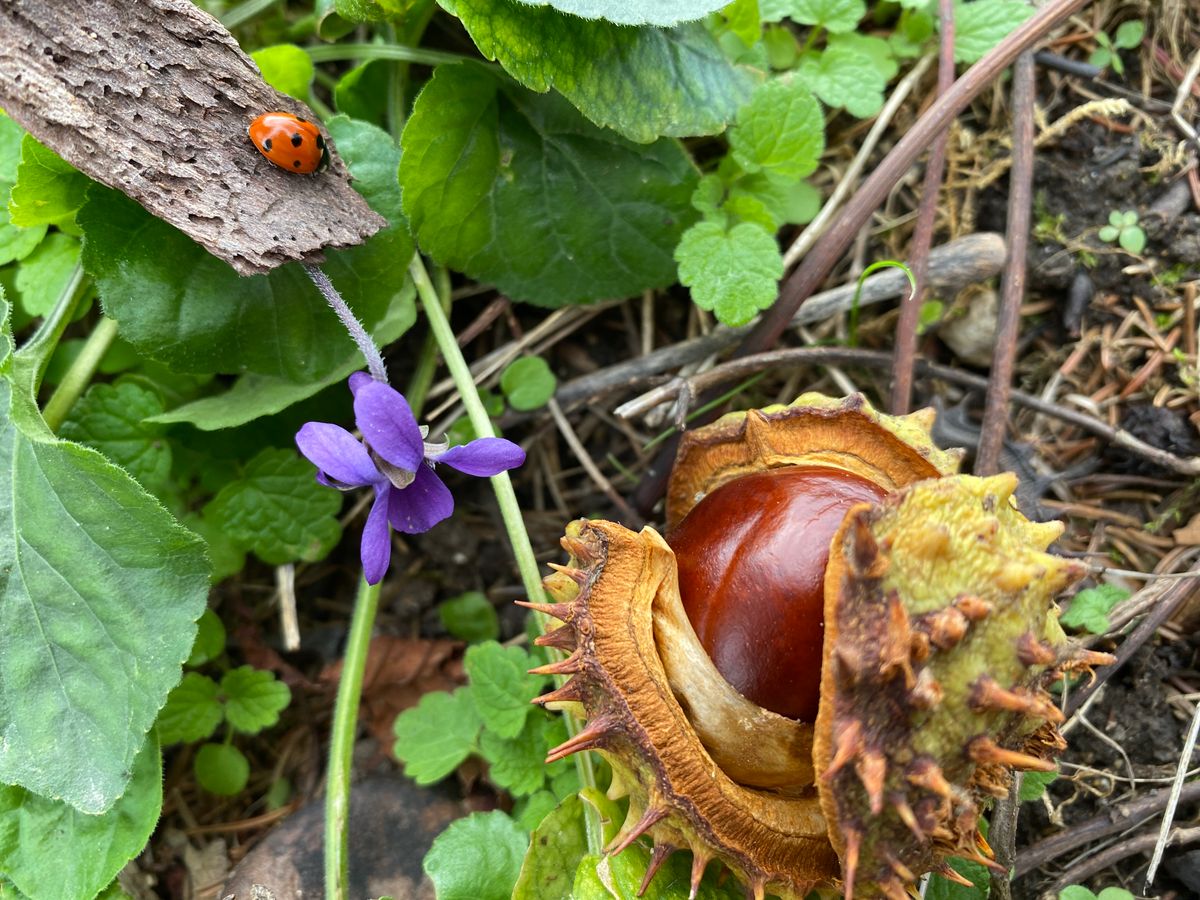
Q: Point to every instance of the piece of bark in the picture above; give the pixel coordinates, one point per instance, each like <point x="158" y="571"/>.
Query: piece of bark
<point x="153" y="98"/>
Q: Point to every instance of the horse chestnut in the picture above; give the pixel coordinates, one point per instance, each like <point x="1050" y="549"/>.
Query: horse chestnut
<point x="752" y="557"/>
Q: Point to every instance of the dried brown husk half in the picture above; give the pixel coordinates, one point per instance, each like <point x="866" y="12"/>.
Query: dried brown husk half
<point x="940" y="635"/>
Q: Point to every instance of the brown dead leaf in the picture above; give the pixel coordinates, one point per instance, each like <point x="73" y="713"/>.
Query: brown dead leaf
<point x="1188" y="535"/>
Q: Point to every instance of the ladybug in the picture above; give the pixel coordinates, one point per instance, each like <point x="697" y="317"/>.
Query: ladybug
<point x="290" y="142"/>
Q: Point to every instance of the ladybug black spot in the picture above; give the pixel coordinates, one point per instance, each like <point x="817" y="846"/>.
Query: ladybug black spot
<point x="267" y="145"/>
<point x="297" y="139"/>
<point x="320" y="142"/>
<point x="295" y="163"/>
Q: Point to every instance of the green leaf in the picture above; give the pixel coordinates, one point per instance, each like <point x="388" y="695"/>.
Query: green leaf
<point x="518" y="190"/>
<point x="835" y="16"/>
<point x="790" y="202"/>
<point x="193" y="711"/>
<point x="980" y="26"/>
<point x="221" y="769"/>
<point x="642" y="82"/>
<point x="1108" y="233"/>
<point x="1034" y="784"/>
<point x="45" y="273"/>
<point x="225" y="554"/>
<point x="641" y="12"/>
<point x="1129" y="34"/>
<point x="1090" y="608"/>
<point x="48" y="190"/>
<point x="470" y="617"/>
<point x="1116" y="218"/>
<point x="1128" y="218"/>
<point x="287" y="68"/>
<point x="782" y="48"/>
<point x="210" y="640"/>
<point x="15" y="242"/>
<point x="528" y="383"/>
<point x="254" y="698"/>
<point x="781" y="130"/>
<point x="844" y="76"/>
<point x="278" y="510"/>
<point x="732" y="272"/>
<point x="555" y="849"/>
<point x="97" y="611"/>
<point x="530" y="811"/>
<point x="501" y="687"/>
<point x="911" y="34"/>
<point x="1114" y="893"/>
<point x="742" y="19"/>
<point x="362" y="92"/>
<point x="874" y="48"/>
<point x="942" y="889"/>
<point x="435" y="736"/>
<point x="11" y="135"/>
<point x="1076" y="892"/>
<point x="1132" y="240"/>
<point x="620" y="877"/>
<point x="477" y="858"/>
<point x="111" y="419"/>
<point x="51" y="851"/>
<point x="518" y="764"/>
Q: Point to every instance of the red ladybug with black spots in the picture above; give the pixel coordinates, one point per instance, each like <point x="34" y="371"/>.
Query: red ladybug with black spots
<point x="290" y="142"/>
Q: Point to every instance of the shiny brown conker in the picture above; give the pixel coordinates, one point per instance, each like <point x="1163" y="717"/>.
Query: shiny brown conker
<point x="752" y="557"/>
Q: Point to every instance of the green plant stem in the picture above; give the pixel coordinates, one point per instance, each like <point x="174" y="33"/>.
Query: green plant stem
<point x="341" y="743"/>
<point x="338" y="52"/>
<point x="422" y="377"/>
<point x="506" y="498"/>
<point x="80" y="373"/>
<point x="246" y="11"/>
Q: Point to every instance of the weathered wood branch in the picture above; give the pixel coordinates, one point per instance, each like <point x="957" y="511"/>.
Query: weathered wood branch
<point x="153" y="98"/>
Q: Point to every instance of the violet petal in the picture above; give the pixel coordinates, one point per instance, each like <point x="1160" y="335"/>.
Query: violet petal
<point x="357" y="380"/>
<point x="376" y="547"/>
<point x="337" y="453"/>
<point x="388" y="425"/>
<point x="483" y="456"/>
<point x="421" y="505"/>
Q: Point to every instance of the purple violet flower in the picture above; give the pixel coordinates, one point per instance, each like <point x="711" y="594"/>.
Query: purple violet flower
<point x="395" y="459"/>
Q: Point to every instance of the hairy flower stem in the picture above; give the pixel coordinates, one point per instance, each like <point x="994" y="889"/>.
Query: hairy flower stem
<point x="366" y="346"/>
<point x="506" y="498"/>
<point x="341" y="743"/>
<point x="80" y="373"/>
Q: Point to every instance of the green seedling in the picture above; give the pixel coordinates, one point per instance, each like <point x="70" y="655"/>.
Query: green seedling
<point x="1128" y="35"/>
<point x="1123" y="228"/>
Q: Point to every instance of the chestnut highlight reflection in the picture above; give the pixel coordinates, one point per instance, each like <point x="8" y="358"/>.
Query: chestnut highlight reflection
<point x="752" y="557"/>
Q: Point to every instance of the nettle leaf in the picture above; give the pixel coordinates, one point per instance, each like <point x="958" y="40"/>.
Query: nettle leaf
<point x="51" y="851"/>
<point x="635" y="12"/>
<point x="518" y="764"/>
<point x="254" y="698"/>
<point x="555" y="849"/>
<point x="943" y="889"/>
<point x="221" y="769"/>
<point x="789" y="201"/>
<point x="111" y="418"/>
<point x="642" y="82"/>
<point x="529" y="813"/>
<point x="193" y="711"/>
<point x="1090" y="608"/>
<point x="210" y="641"/>
<point x="518" y="190"/>
<point x="98" y="605"/>
<point x="1034" y="784"/>
<point x="528" y="383"/>
<point x="835" y="16"/>
<point x="477" y="858"/>
<point x="781" y="130"/>
<point x="843" y="76"/>
<point x="435" y="736"/>
<point x="287" y="68"/>
<point x="48" y="190"/>
<point x="732" y="272"/>
<point x="874" y="48"/>
<point x="45" y="273"/>
<point x="278" y="510"/>
<point x="501" y="686"/>
<point x="470" y="617"/>
<point x="980" y="26"/>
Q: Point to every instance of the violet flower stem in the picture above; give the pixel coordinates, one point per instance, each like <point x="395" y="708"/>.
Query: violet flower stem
<point x="366" y="346"/>
<point x="341" y="743"/>
<point x="506" y="499"/>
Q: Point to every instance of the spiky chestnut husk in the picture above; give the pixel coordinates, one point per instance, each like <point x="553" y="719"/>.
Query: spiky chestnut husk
<point x="689" y="750"/>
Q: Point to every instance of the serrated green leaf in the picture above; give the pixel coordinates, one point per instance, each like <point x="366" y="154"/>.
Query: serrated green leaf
<point x="641" y="12"/>
<point x="287" y="68"/>
<point x="835" y="16"/>
<point x="789" y="201"/>
<point x="48" y="191"/>
<point x="782" y="47"/>
<point x="1090" y="608"/>
<point x="193" y="711"/>
<point x="486" y="171"/>
<point x="528" y="383"/>
<point x="254" y="698"/>
<point x="221" y="769"/>
<point x="111" y="419"/>
<point x="515" y="764"/>
<point x="51" y="851"/>
<point x="874" y="48"/>
<point x="501" y="686"/>
<point x="81" y="541"/>
<point x="1034" y="784"/>
<point x="781" y="130"/>
<point x="980" y="26"/>
<point x="435" y="736"/>
<point x="708" y="197"/>
<point x="45" y="273"/>
<point x="530" y="811"/>
<point x="278" y="510"/>
<point x="210" y="640"/>
<point x="642" y="82"/>
<point x="1076" y="892"/>
<point x="556" y="847"/>
<point x="11" y="135"/>
<point x="943" y="889"/>
<point x="742" y="19"/>
<point x="843" y="76"/>
<point x="743" y="207"/>
<point x="477" y="858"/>
<point x="732" y="272"/>
<point x="470" y="617"/>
